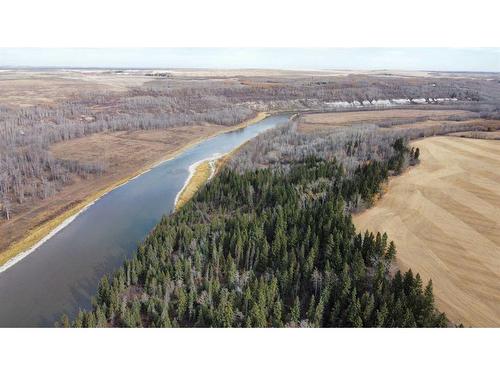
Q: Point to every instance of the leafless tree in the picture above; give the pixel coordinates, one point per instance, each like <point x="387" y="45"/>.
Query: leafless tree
<point x="28" y="171"/>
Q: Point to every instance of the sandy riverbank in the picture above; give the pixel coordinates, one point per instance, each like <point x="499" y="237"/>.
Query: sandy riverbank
<point x="199" y="173"/>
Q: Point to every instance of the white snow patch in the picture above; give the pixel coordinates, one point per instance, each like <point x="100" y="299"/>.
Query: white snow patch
<point x="419" y="101"/>
<point x="401" y="101"/>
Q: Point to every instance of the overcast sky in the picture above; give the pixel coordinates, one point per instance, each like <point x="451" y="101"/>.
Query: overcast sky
<point x="449" y="59"/>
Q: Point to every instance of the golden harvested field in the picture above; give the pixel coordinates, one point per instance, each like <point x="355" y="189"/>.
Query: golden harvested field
<point x="444" y="216"/>
<point x="325" y="121"/>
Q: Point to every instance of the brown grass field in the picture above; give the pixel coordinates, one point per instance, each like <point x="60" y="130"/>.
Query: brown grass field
<point x="21" y="88"/>
<point x="325" y="121"/>
<point x="444" y="217"/>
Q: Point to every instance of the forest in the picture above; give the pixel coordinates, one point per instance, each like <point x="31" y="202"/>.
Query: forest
<point x="273" y="246"/>
<point x="29" y="172"/>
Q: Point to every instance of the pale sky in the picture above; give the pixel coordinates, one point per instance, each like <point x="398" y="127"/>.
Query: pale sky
<point x="444" y="59"/>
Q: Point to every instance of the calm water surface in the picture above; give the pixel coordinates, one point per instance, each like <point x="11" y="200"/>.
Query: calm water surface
<point x="62" y="274"/>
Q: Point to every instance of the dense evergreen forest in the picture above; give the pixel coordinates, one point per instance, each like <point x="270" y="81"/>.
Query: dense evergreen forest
<point x="269" y="247"/>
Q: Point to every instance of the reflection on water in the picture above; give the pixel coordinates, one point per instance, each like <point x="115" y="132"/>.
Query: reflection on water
<point x="62" y="274"/>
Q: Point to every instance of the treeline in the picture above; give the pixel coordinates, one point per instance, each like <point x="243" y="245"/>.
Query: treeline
<point x="270" y="247"/>
<point x="29" y="172"/>
<point x="284" y="145"/>
<point x="349" y="88"/>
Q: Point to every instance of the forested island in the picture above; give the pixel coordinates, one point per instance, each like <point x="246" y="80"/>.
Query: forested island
<point x="270" y="243"/>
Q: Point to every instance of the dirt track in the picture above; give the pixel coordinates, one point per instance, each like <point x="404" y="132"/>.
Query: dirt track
<point x="444" y="217"/>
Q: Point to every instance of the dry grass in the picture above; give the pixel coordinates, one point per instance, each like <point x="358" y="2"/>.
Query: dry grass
<point x="444" y="218"/>
<point x="315" y="122"/>
<point x="484" y="124"/>
<point x="130" y="149"/>
<point x="31" y="87"/>
<point x="200" y="176"/>
<point x="20" y="88"/>
<point x="479" y="134"/>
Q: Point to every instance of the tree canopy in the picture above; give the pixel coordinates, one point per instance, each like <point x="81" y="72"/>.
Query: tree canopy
<point x="268" y="248"/>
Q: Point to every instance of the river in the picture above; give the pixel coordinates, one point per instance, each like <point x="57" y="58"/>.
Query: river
<point x="62" y="274"/>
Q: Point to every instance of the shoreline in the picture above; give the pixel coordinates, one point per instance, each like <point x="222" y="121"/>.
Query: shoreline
<point x="18" y="250"/>
<point x="193" y="171"/>
<point x="218" y="161"/>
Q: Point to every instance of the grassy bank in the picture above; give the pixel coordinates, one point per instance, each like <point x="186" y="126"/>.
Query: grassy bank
<point x="200" y="175"/>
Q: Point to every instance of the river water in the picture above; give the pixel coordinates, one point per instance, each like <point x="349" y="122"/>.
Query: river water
<point x="62" y="274"/>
